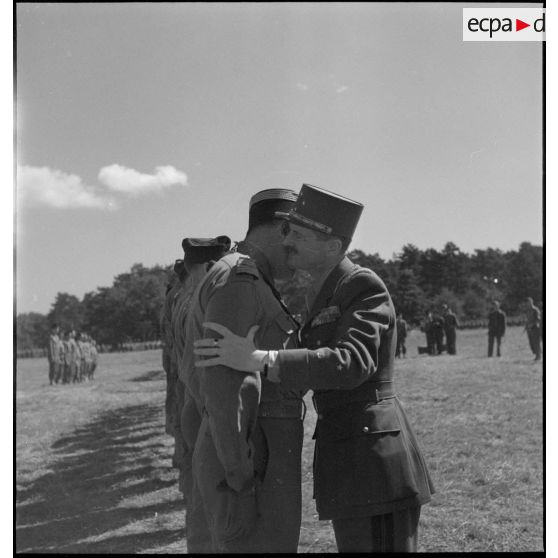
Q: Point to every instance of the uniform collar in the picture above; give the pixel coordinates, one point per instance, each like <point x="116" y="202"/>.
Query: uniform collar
<point x="250" y="249"/>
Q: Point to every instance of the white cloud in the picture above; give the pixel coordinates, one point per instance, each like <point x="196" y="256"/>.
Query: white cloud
<point x="302" y="86"/>
<point x="130" y="181"/>
<point x="341" y="89"/>
<point x="46" y="186"/>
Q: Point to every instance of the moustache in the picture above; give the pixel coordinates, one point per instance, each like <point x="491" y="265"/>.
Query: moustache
<point x="290" y="250"/>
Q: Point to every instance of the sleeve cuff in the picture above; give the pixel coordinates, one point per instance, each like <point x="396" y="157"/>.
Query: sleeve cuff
<point x="293" y="365"/>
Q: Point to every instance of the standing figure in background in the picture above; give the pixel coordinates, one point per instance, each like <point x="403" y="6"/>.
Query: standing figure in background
<point x="533" y="327"/>
<point x="428" y="328"/>
<point x="450" y="329"/>
<point x="438" y="332"/>
<point x="496" y="328"/>
<point x="401" y="350"/>
<point x="75" y="358"/>
<point x="65" y="369"/>
<point x="55" y="352"/>
<point x="94" y="358"/>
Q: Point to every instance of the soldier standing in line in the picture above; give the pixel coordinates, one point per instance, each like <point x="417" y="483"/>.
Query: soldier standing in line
<point x="196" y="250"/>
<point x="94" y="358"/>
<point x="75" y="358"/>
<point x="533" y="327"/>
<point x="247" y="457"/>
<point x="65" y="369"/>
<point x="450" y="329"/>
<point x="370" y="478"/>
<point x="199" y="256"/>
<point x="173" y="290"/>
<point x="55" y="355"/>
<point x="496" y="328"/>
<point x="401" y="350"/>
<point x="83" y="357"/>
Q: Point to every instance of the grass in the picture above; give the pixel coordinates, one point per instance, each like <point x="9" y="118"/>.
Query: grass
<point x="93" y="460"/>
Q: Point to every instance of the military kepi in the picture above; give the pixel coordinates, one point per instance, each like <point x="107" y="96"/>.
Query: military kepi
<point x="202" y="250"/>
<point x="265" y="204"/>
<point x="324" y="211"/>
<point x="179" y="267"/>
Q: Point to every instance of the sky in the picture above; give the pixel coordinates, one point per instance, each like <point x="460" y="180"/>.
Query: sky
<point x="138" y="124"/>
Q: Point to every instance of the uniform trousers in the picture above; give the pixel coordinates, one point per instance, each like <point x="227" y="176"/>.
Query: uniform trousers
<point x="534" y="334"/>
<point x="198" y="537"/>
<point x="277" y="444"/>
<point x="451" y="337"/>
<point x="391" y="532"/>
<point x="491" y="338"/>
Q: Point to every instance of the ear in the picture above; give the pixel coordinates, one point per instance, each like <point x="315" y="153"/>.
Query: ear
<point x="334" y="246"/>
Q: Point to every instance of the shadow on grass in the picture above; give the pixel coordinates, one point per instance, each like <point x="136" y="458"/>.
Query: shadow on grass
<point x="152" y="375"/>
<point x="107" y="475"/>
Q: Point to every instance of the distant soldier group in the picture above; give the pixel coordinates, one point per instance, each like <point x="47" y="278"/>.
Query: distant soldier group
<point x="72" y="357"/>
<point x="436" y="326"/>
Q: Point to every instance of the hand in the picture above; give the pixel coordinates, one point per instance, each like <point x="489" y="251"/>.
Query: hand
<point x="231" y="350"/>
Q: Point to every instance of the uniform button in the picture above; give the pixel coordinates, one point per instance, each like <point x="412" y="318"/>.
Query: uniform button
<point x="320" y="417"/>
<point x="318" y="342"/>
<point x="365" y="429"/>
<point x="339" y="367"/>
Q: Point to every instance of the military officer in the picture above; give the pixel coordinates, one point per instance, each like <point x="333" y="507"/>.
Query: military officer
<point x="370" y="477"/>
<point x="247" y="456"/>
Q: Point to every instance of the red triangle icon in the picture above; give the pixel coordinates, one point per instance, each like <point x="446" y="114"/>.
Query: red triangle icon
<point x="519" y="25"/>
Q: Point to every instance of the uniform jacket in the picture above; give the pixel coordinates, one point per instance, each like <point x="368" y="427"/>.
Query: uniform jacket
<point x="367" y="460"/>
<point x="74" y="350"/>
<point x="533" y="320"/>
<point x="237" y="293"/>
<point x="55" y="349"/>
<point x="497" y="323"/>
<point x="450" y="321"/>
<point x="166" y="326"/>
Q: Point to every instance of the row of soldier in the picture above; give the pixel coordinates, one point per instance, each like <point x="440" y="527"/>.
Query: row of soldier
<point x="238" y="424"/>
<point x="72" y="357"/>
<point x="443" y="324"/>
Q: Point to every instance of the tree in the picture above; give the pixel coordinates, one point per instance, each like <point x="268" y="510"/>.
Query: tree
<point x="67" y="312"/>
<point x="32" y="330"/>
<point x="524" y="275"/>
<point x="408" y="297"/>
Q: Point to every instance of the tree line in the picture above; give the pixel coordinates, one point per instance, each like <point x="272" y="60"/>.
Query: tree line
<point x="418" y="280"/>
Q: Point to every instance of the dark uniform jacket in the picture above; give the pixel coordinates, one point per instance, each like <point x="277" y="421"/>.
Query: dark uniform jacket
<point x="367" y="460"/>
<point x="497" y="323"/>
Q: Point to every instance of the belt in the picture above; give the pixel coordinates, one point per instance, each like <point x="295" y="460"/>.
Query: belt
<point x="369" y="392"/>
<point x="282" y="408"/>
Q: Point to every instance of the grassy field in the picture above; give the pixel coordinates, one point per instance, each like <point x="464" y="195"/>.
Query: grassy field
<point x="93" y="460"/>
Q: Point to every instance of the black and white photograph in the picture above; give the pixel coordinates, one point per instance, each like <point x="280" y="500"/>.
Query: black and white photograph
<point x="279" y="277"/>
